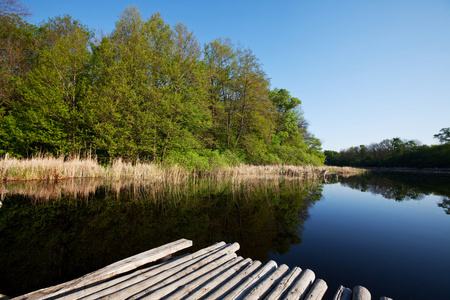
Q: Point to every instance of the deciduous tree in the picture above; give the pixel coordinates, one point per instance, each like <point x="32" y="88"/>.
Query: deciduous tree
<point x="443" y="136"/>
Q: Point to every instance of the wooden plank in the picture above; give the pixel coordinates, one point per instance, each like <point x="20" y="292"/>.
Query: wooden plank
<point x="159" y="273"/>
<point x="343" y="293"/>
<point x="210" y="273"/>
<point x="250" y="282"/>
<point x="219" y="280"/>
<point x="284" y="284"/>
<point x="263" y="287"/>
<point x="196" y="282"/>
<point x="169" y="288"/>
<point x="361" y="293"/>
<point x="119" y="267"/>
<point x="223" y="289"/>
<point x="87" y="291"/>
<point x="135" y="277"/>
<point x="210" y="277"/>
<point x="317" y="290"/>
<point x="167" y="277"/>
<point x="304" y="281"/>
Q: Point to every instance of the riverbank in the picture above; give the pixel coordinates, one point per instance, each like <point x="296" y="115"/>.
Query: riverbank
<point x="58" y="168"/>
<point x="433" y="171"/>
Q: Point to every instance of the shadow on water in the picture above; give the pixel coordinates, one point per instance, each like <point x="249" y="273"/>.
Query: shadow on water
<point x="53" y="232"/>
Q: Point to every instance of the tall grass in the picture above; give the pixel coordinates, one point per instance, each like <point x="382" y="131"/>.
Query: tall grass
<point x="42" y="167"/>
<point x="17" y="176"/>
<point x="285" y="171"/>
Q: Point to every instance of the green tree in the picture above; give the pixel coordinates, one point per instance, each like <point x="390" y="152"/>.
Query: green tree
<point x="238" y="91"/>
<point x="44" y="95"/>
<point x="221" y="64"/>
<point x="52" y="93"/>
<point x="443" y="136"/>
<point x="183" y="93"/>
<point x="120" y="100"/>
<point x="287" y="118"/>
<point x="147" y="92"/>
<point x="252" y="119"/>
<point x="17" y="52"/>
<point x="292" y="143"/>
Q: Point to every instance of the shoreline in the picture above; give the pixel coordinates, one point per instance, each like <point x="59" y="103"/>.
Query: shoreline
<point x="428" y="171"/>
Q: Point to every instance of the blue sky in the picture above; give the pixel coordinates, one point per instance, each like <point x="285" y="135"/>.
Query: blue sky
<point x="364" y="70"/>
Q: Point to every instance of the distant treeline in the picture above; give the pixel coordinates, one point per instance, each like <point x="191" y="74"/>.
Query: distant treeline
<point x="392" y="153"/>
<point x="146" y="90"/>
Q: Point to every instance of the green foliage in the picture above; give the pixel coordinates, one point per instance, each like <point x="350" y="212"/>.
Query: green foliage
<point x="148" y="90"/>
<point x="204" y="160"/>
<point x="392" y="153"/>
<point x="443" y="136"/>
<point x="291" y="141"/>
<point x="45" y="113"/>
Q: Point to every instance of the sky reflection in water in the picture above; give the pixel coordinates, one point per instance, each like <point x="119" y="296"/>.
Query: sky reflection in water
<point x="394" y="248"/>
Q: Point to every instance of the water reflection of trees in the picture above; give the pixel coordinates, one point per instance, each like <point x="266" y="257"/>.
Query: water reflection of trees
<point x="48" y="240"/>
<point x="445" y="204"/>
<point x="402" y="187"/>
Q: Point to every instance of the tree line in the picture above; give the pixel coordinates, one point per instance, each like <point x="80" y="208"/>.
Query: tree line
<point x="147" y="90"/>
<point x="395" y="152"/>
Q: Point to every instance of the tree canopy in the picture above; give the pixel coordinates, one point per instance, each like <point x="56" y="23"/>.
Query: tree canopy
<point x="394" y="152"/>
<point x="443" y="136"/>
<point x="147" y="90"/>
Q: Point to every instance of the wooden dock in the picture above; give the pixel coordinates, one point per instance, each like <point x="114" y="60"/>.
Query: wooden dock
<point x="215" y="272"/>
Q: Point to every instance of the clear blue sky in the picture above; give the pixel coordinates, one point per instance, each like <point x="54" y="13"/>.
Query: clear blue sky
<point x="364" y="70"/>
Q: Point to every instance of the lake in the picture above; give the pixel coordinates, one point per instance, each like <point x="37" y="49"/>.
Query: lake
<point x="389" y="233"/>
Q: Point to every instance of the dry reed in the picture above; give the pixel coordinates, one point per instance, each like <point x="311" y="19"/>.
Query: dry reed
<point x="50" y="168"/>
<point x="43" y="167"/>
<point x="286" y="171"/>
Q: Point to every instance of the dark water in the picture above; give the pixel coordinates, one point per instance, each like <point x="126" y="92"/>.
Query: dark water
<point x="390" y="234"/>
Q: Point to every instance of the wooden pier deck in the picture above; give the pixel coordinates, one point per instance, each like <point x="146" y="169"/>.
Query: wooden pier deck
<point x="215" y="272"/>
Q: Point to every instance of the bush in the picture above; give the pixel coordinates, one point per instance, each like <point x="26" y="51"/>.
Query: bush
<point x="204" y="159"/>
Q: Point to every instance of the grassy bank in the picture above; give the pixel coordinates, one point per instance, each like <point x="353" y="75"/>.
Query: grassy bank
<point x="57" y="168"/>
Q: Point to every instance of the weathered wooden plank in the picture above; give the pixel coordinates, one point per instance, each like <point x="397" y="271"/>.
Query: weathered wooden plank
<point x="317" y="290"/>
<point x="263" y="287"/>
<point x="196" y="282"/>
<point x="158" y="273"/>
<point x="219" y="280"/>
<point x="284" y="284"/>
<point x="92" y="291"/>
<point x="167" y="277"/>
<point x="210" y="273"/>
<point x="250" y="282"/>
<point x="223" y="289"/>
<point x="167" y="289"/>
<point x="361" y="293"/>
<point x="109" y="286"/>
<point x="304" y="281"/>
<point x="343" y="293"/>
<point x="119" y="267"/>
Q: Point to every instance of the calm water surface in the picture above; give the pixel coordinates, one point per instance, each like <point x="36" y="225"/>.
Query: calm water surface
<point x="399" y="249"/>
<point x="388" y="233"/>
